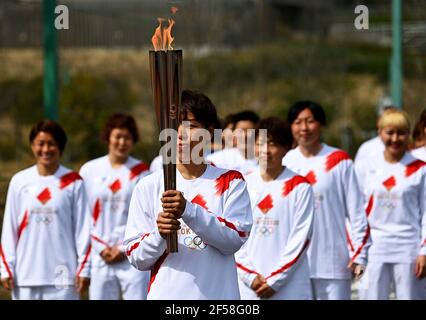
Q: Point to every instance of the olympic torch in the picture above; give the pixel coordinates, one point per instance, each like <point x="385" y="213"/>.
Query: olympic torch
<point x="165" y="68"/>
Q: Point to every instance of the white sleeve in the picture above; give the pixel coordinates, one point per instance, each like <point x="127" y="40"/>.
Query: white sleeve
<point x="360" y="169"/>
<point x="245" y="267"/>
<point x="299" y="238"/>
<point x="143" y="243"/>
<point x="119" y="230"/>
<point x="98" y="245"/>
<point x="360" y="154"/>
<point x="227" y="231"/>
<point x="156" y="164"/>
<point x="355" y="212"/>
<point x="81" y="221"/>
<point x="422" y="201"/>
<point x="9" y="237"/>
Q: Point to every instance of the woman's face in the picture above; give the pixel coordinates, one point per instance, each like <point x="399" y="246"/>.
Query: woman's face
<point x="46" y="150"/>
<point x="120" y="143"/>
<point x="395" y="140"/>
<point x="306" y="130"/>
<point x="191" y="139"/>
<point x="269" y="153"/>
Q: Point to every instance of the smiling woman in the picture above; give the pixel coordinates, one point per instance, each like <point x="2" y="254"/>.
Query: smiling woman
<point x="48" y="142"/>
<point x="46" y="238"/>
<point x="109" y="182"/>
<point x="338" y="200"/>
<point x="393" y="183"/>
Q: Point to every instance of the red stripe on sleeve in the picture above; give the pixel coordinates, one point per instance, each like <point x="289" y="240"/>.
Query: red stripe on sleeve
<point x="23" y="224"/>
<point x="333" y="159"/>
<point x="198" y="199"/>
<point x="369" y="205"/>
<point x="364" y="241"/>
<point x="3" y="258"/>
<point x="86" y="258"/>
<point x="311" y="177"/>
<point x="138" y="169"/>
<point x="156" y="268"/>
<point x="68" y="179"/>
<point x="136" y="244"/>
<point x="100" y="240"/>
<point x="239" y="265"/>
<point x="223" y="182"/>
<point x="292" y="183"/>
<point x="288" y="265"/>
<point x="413" y="167"/>
<point x="232" y="226"/>
<point x="96" y="211"/>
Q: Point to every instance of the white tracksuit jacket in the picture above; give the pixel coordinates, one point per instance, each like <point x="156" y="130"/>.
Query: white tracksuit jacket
<point x="283" y="213"/>
<point x="395" y="196"/>
<point x="337" y="197"/>
<point x="232" y="159"/>
<point x="215" y="224"/>
<point x="46" y="229"/>
<point x="109" y="192"/>
<point x="419" y="153"/>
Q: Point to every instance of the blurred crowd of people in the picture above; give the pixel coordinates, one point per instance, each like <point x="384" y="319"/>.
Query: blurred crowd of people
<point x="281" y="215"/>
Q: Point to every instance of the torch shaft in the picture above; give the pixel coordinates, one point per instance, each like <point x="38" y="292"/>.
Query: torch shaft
<point x="165" y="67"/>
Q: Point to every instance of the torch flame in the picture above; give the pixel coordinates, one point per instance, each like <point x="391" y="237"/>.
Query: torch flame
<point x="162" y="38"/>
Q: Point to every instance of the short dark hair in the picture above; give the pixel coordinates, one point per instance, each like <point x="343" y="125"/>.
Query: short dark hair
<point x="53" y="128"/>
<point x="418" y="132"/>
<point x="278" y="130"/>
<point x="200" y="106"/>
<point x="120" y="121"/>
<point x="246" y="115"/>
<point x="229" y="120"/>
<point x="299" y="106"/>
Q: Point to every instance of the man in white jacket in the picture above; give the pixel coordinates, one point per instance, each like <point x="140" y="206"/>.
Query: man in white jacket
<point x="210" y="211"/>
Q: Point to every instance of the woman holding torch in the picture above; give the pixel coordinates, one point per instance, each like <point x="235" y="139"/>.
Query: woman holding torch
<point x="210" y="211"/>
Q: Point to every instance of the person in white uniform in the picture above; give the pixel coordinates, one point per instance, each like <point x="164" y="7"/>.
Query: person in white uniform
<point x="394" y="185"/>
<point x="45" y="242"/>
<point x="373" y="145"/>
<point x="210" y="210"/>
<point x="241" y="157"/>
<point x="110" y="181"/>
<point x="338" y="198"/>
<point x="273" y="263"/>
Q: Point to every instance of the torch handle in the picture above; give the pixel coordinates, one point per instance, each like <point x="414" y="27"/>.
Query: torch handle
<point x="170" y="184"/>
<point x="172" y="242"/>
<point x="166" y="78"/>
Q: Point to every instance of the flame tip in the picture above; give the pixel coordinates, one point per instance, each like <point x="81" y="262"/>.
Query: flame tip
<point x="162" y="38"/>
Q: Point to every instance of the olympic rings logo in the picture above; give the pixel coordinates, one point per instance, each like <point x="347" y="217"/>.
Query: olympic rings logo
<point x="44" y="219"/>
<point x="263" y="231"/>
<point x="387" y="205"/>
<point x="194" y="243"/>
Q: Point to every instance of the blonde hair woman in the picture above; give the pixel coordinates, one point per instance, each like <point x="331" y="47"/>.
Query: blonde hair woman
<point x="394" y="185"/>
